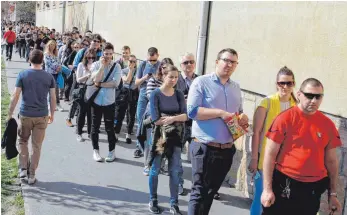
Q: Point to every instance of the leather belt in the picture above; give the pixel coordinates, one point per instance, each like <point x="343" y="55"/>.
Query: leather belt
<point x="216" y="145"/>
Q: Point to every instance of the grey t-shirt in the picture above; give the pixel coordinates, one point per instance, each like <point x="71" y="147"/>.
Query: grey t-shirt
<point x="35" y="86"/>
<point x="125" y="72"/>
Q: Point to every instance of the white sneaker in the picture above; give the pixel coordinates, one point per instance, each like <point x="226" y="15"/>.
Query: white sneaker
<point x="111" y="156"/>
<point x="60" y="108"/>
<point x="23" y="173"/>
<point x="79" y="138"/>
<point x="31" y="180"/>
<point x="97" y="156"/>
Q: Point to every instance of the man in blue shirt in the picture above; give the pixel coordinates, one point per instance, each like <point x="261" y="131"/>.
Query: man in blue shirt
<point x="143" y="73"/>
<point x="34" y="84"/>
<point x="104" y="103"/>
<point x="212" y="98"/>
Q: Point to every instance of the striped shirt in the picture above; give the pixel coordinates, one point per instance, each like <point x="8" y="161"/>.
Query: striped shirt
<point x="152" y="84"/>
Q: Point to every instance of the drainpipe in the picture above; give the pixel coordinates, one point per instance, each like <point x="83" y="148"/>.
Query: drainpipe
<point x="64" y="13"/>
<point x="203" y="36"/>
<point x="93" y="17"/>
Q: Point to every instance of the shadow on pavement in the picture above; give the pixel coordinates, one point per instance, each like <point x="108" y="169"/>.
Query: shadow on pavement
<point x="106" y="200"/>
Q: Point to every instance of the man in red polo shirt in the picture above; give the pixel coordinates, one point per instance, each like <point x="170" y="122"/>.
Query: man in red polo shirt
<point x="10" y="38"/>
<point x="300" y="160"/>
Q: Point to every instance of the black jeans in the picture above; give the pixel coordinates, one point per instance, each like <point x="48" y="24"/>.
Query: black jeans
<point x="81" y="118"/>
<point x="21" y="49"/>
<point x="129" y="108"/>
<point x="9" y="49"/>
<point x="108" y="113"/>
<point x="73" y="108"/>
<point x="210" y="165"/>
<point x="68" y="85"/>
<point x="304" y="198"/>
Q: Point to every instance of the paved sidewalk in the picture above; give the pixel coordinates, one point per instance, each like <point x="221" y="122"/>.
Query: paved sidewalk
<point x="71" y="182"/>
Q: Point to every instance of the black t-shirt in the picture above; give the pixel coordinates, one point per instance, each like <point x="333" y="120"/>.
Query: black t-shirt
<point x="38" y="44"/>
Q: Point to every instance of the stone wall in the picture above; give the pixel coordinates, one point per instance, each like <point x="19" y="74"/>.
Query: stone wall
<point x="240" y="177"/>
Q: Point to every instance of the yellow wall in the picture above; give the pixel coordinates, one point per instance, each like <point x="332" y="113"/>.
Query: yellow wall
<point x="308" y="37"/>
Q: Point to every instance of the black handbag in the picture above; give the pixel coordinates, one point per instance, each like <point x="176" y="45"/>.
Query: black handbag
<point x="79" y="93"/>
<point x="95" y="94"/>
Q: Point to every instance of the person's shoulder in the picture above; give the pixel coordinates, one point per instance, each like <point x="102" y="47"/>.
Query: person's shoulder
<point x="324" y="119"/>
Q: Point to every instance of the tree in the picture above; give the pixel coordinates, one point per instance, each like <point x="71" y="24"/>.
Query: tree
<point x="25" y="11"/>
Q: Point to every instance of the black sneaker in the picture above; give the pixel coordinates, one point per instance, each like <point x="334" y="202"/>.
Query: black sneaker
<point x="128" y="140"/>
<point x="216" y="196"/>
<point x="154" y="208"/>
<point x="175" y="210"/>
<point x="138" y="153"/>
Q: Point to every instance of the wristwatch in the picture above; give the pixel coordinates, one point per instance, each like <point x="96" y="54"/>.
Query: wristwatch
<point x="333" y="194"/>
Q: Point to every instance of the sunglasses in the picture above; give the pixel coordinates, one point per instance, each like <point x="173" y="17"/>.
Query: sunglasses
<point x="84" y="44"/>
<point x="288" y="83"/>
<point x="310" y="96"/>
<point x="132" y="61"/>
<point x="91" y="58"/>
<point x="228" y="61"/>
<point x="188" y="62"/>
<point x="152" y="60"/>
<point x="96" y="41"/>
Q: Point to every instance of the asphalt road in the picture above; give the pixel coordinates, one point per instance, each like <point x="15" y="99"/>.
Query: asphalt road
<point x="71" y="182"/>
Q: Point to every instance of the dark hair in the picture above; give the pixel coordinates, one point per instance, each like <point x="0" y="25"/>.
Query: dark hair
<point x="311" y="81"/>
<point x="89" y="31"/>
<point x="286" y="71"/>
<point x="88" y="52"/>
<point x="97" y="37"/>
<point x="165" y="61"/>
<point x="126" y="48"/>
<point x="85" y="39"/>
<point x="108" y="46"/>
<point x="36" y="56"/>
<point x="152" y="51"/>
<point x="53" y="29"/>
<point x="170" y="68"/>
<point x="231" y="51"/>
<point x="68" y="48"/>
<point x="74" y="28"/>
<point x="10" y="28"/>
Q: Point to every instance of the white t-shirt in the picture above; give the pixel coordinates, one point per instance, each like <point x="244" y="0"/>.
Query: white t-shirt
<point x="81" y="71"/>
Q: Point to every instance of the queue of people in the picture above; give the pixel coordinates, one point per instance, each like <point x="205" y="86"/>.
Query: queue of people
<point x="293" y="144"/>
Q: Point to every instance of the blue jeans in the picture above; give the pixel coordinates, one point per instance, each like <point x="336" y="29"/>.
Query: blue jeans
<point x="256" y="208"/>
<point x="141" y="108"/>
<point x="174" y="171"/>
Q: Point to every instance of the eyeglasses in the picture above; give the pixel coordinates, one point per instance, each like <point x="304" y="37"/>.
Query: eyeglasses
<point x="288" y="83"/>
<point x="228" y="61"/>
<point x="188" y="62"/>
<point x="96" y="41"/>
<point x="310" y="96"/>
<point x="91" y="58"/>
<point x="132" y="61"/>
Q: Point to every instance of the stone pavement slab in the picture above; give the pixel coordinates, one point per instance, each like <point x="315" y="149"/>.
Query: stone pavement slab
<point x="71" y="182"/>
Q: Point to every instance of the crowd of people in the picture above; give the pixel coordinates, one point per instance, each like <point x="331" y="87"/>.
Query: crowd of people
<point x="293" y="146"/>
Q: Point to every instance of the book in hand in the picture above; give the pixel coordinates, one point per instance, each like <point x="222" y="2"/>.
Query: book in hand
<point x="235" y="129"/>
